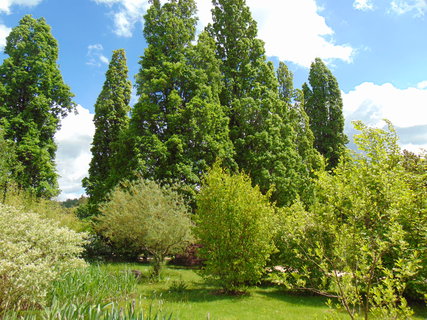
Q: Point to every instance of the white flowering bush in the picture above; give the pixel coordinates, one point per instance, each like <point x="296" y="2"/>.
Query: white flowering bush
<point x="33" y="253"/>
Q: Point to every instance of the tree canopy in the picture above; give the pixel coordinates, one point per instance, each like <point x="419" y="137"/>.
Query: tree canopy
<point x="323" y="105"/>
<point x="178" y="127"/>
<point x="33" y="100"/>
<point x="111" y="120"/>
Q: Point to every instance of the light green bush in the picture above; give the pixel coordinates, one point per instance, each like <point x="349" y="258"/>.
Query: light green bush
<point x="235" y="226"/>
<point x="33" y="253"/>
<point x="145" y="215"/>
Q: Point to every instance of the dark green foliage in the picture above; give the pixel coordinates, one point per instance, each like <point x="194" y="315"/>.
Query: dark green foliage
<point x="111" y="119"/>
<point x="310" y="159"/>
<point x="34" y="98"/>
<point x="178" y="127"/>
<point x="263" y="138"/>
<point x="323" y="105"/>
<point x="235" y="228"/>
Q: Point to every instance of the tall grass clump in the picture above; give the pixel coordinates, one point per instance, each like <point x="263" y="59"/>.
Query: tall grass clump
<point x="110" y="311"/>
<point x="93" y="285"/>
<point x="34" y="252"/>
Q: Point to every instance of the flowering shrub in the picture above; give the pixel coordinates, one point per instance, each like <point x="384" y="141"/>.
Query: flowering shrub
<point x="33" y="253"/>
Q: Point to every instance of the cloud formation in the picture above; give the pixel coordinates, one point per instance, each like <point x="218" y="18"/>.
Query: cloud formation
<point x="95" y="55"/>
<point x="4" y="32"/>
<point x="311" y="36"/>
<point x="5" y="5"/>
<point x="363" y="5"/>
<point x="405" y="108"/>
<point x="73" y="156"/>
<point x="126" y="13"/>
<point x="419" y="7"/>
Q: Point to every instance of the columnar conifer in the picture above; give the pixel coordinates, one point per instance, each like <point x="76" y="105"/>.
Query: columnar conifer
<point x="259" y="127"/>
<point x="111" y="119"/>
<point x="323" y="104"/>
<point x="178" y="125"/>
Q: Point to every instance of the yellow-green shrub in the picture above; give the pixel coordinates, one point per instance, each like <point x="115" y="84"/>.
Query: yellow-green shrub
<point x="34" y="252"/>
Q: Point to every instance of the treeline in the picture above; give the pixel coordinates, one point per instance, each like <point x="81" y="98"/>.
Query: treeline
<point x="218" y="132"/>
<point x="216" y="97"/>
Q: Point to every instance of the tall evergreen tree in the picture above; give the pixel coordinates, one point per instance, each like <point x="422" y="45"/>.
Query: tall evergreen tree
<point x="260" y="131"/>
<point x="34" y="98"/>
<point x="324" y="106"/>
<point x="311" y="159"/>
<point x="178" y="125"/>
<point x="111" y="119"/>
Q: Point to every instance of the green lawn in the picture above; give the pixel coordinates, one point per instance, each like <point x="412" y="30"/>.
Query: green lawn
<point x="186" y="295"/>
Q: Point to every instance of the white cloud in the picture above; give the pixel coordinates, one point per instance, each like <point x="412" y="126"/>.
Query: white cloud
<point x="5" y="5"/>
<point x="295" y="31"/>
<point x="419" y="7"/>
<point x="73" y="156"/>
<point x="363" y="5"/>
<point x="95" y="56"/>
<point x="4" y="32"/>
<point x="405" y="108"/>
<point x="126" y="14"/>
<point x="422" y="85"/>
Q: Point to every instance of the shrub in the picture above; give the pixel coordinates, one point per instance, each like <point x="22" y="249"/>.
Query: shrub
<point x="234" y="227"/>
<point x="143" y="214"/>
<point x="33" y="253"/>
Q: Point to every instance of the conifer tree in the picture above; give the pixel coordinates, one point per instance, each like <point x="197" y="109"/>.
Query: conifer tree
<point x="178" y="126"/>
<point x="259" y="128"/>
<point x="33" y="99"/>
<point x="111" y="119"/>
<point x="311" y="159"/>
<point x="323" y="105"/>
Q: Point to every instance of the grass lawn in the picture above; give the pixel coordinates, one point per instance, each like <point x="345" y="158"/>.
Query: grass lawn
<point x="186" y="295"/>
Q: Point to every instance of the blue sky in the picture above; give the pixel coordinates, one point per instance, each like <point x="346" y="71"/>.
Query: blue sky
<point x="377" y="49"/>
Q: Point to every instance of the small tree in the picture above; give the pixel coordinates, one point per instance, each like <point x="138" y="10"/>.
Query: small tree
<point x="359" y="233"/>
<point x="234" y="223"/>
<point x="145" y="215"/>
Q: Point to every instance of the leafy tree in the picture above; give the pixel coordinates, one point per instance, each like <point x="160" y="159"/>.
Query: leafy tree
<point x="359" y="232"/>
<point x="34" y="98"/>
<point x="144" y="215"/>
<point x="310" y="159"/>
<point x="178" y="126"/>
<point x="323" y="105"/>
<point x="259" y="128"/>
<point x="415" y="166"/>
<point x="111" y="119"/>
<point x="234" y="225"/>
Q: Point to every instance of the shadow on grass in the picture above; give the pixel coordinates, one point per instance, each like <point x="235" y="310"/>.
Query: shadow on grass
<point x="292" y="297"/>
<point x="200" y="293"/>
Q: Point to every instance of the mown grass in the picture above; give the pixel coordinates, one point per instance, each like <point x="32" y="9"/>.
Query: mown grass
<point x="110" y="291"/>
<point x="184" y="294"/>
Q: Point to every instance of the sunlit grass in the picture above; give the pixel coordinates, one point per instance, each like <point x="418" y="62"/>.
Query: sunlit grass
<point x="197" y="299"/>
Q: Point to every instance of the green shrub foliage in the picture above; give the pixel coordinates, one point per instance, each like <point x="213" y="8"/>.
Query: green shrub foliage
<point x="143" y="214"/>
<point x="33" y="253"/>
<point x="234" y="223"/>
<point x="365" y="232"/>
